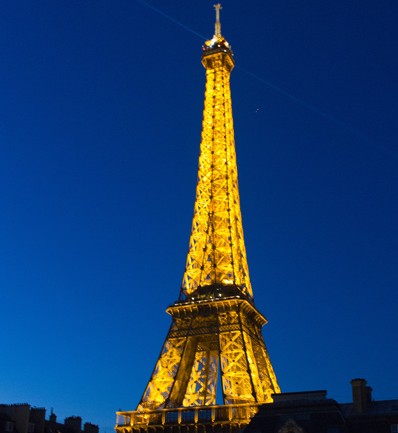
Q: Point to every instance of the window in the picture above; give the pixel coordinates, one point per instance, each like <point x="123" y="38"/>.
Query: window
<point x="394" y="428"/>
<point x="188" y="415"/>
<point x="172" y="417"/>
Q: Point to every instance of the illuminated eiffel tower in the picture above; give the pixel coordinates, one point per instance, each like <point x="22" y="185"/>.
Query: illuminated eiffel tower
<point x="215" y="336"/>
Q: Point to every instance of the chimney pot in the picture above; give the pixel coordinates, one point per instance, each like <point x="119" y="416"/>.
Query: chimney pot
<point x="361" y="395"/>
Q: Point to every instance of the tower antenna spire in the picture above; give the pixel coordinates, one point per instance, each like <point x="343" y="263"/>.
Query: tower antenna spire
<point x="217" y="32"/>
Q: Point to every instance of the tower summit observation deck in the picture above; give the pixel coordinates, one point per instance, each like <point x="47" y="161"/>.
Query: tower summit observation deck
<point x="215" y="336"/>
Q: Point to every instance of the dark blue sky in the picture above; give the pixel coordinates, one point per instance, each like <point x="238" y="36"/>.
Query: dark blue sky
<point x="100" y="118"/>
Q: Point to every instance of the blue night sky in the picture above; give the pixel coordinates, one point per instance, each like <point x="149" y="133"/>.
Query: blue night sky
<point x="100" y="119"/>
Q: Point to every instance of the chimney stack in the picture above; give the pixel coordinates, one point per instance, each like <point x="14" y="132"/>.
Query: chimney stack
<point x="361" y="395"/>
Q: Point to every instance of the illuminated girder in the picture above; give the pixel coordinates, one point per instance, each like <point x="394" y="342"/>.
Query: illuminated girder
<point x="215" y="335"/>
<point x="210" y="337"/>
<point x="217" y="254"/>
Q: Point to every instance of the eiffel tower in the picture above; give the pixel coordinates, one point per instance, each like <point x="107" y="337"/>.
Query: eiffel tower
<point x="215" y="335"/>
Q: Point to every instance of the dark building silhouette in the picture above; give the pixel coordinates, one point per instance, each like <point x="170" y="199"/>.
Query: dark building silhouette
<point x="90" y="428"/>
<point x="73" y="424"/>
<point x="22" y="418"/>
<point x="313" y="412"/>
<point x="14" y="418"/>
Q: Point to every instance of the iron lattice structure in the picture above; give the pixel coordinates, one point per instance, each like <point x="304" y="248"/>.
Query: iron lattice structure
<point x="216" y="329"/>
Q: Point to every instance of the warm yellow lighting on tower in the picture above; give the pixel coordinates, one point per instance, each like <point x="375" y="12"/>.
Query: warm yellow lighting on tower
<point x="216" y="329"/>
<point x="216" y="249"/>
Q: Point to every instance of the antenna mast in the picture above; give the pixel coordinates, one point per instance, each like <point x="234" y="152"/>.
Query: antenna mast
<point x="217" y="33"/>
